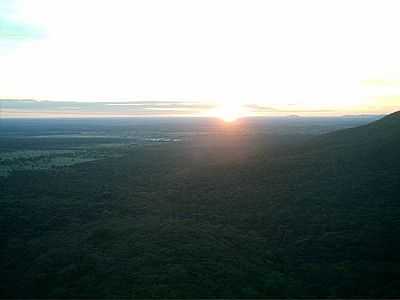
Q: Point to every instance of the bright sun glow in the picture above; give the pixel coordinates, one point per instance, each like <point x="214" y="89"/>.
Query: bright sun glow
<point x="229" y="112"/>
<point x="282" y="57"/>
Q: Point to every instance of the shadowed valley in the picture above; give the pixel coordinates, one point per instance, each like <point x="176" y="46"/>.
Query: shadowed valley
<point x="217" y="214"/>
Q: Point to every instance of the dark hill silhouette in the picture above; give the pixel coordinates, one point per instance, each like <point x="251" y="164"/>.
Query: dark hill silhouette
<point x="377" y="141"/>
<point x="378" y="131"/>
<point x="393" y="118"/>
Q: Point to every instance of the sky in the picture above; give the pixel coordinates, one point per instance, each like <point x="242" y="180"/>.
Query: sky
<point x="183" y="57"/>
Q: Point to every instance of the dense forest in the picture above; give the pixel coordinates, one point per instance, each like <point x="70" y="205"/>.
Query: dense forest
<point x="227" y="215"/>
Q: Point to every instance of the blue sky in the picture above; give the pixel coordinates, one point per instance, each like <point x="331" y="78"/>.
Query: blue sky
<point x="13" y="30"/>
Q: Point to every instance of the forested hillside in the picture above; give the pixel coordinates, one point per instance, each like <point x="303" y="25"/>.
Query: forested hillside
<point x="228" y="216"/>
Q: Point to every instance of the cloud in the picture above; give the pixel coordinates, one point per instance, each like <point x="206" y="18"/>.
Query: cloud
<point x="45" y="108"/>
<point x="257" y="109"/>
<point x="20" y="108"/>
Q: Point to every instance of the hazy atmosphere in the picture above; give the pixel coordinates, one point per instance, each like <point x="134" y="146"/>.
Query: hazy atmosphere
<point x="248" y="57"/>
<point x="181" y="149"/>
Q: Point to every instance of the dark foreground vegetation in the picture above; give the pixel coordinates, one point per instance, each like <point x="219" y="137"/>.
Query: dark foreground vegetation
<point x="224" y="215"/>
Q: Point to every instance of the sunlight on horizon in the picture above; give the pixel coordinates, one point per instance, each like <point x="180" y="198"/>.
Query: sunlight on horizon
<point x="228" y="112"/>
<point x="280" y="57"/>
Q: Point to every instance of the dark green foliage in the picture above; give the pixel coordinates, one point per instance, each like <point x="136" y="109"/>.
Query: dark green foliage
<point x="229" y="216"/>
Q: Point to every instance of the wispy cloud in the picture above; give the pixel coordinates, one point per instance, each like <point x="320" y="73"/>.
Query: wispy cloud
<point x="45" y="108"/>
<point x="20" y="108"/>
<point x="290" y="109"/>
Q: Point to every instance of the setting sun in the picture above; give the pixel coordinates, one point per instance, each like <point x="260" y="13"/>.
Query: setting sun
<point x="199" y="149"/>
<point x="229" y="112"/>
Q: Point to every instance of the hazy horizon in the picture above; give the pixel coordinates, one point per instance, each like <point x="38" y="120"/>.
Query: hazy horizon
<point x="26" y="108"/>
<point x="228" y="58"/>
